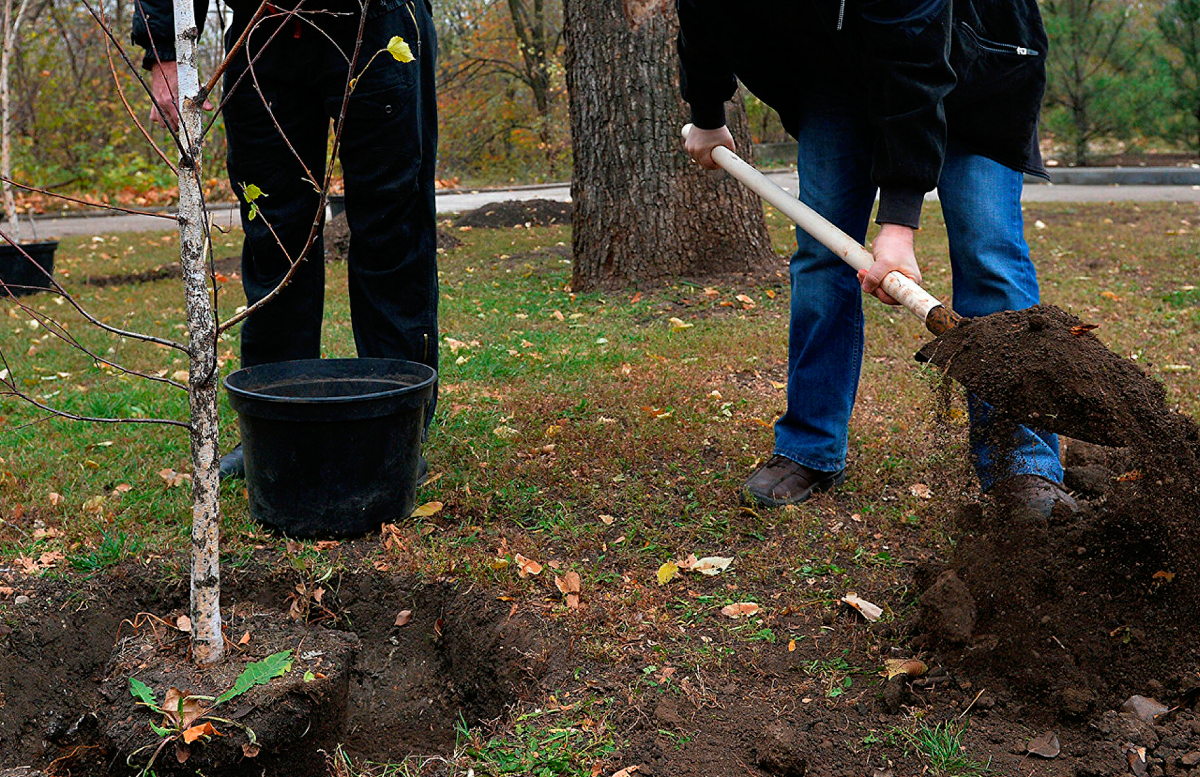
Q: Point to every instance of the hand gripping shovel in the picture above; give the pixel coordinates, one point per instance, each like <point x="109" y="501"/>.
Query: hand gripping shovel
<point x="1040" y="366"/>
<point x="937" y="317"/>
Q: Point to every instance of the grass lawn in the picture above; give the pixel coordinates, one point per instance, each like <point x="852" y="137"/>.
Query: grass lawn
<point x="589" y="433"/>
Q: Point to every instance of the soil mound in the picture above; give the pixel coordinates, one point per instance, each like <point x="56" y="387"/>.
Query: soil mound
<point x="1081" y="610"/>
<point x="517" y="213"/>
<point x="229" y="265"/>
<point x="64" y="691"/>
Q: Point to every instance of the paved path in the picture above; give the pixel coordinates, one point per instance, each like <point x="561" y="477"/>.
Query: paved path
<point x="464" y="200"/>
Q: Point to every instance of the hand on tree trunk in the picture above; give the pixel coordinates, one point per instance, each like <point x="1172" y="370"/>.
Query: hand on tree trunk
<point x="164" y="88"/>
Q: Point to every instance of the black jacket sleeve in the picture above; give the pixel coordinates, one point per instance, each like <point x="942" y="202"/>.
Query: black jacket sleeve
<point x="154" y="28"/>
<point x="705" y="80"/>
<point x="906" y="59"/>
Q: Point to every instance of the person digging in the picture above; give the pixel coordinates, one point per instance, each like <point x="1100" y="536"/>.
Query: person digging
<point x="896" y="100"/>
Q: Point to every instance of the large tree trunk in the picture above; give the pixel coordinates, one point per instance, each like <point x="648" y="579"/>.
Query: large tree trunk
<point x="643" y="211"/>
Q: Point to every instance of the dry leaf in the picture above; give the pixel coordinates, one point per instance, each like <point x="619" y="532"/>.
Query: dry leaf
<point x="183" y="623"/>
<point x="505" y="432"/>
<point x="427" y="509"/>
<point x="908" y="667"/>
<point x="739" y="610"/>
<point x="1164" y="576"/>
<point x="245" y="640"/>
<point x="1110" y="295"/>
<point x="403" y="617"/>
<point x="869" y="611"/>
<point x="526" y="567"/>
<point x="678" y="324"/>
<point x="628" y="771"/>
<point x="920" y="491"/>
<point x="249" y="750"/>
<point x="55" y="499"/>
<point x="204" y="729"/>
<point x="568" y="583"/>
<point x="1079" y="329"/>
<point x="1045" y="746"/>
<point x="745" y="300"/>
<point x="176" y="701"/>
<point x="791" y="646"/>
<point x="172" y="477"/>
<point x="712" y="565"/>
<point x="455" y="345"/>
<point x="573" y="601"/>
<point x="666" y="572"/>
<point x="607" y="520"/>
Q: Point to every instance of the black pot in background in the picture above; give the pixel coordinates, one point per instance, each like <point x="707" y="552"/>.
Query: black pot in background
<point x="20" y="274"/>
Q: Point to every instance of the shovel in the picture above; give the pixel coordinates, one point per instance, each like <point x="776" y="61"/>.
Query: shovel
<point x="937" y="317"/>
<point x="1041" y="366"/>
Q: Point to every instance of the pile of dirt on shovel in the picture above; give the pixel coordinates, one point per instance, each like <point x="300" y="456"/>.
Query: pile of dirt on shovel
<point x="1080" y="611"/>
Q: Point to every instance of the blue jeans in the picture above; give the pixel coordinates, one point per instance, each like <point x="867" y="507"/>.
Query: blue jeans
<point x="992" y="271"/>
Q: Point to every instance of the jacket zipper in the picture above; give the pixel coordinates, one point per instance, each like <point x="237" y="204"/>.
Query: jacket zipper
<point x="1003" y="48"/>
<point x="841" y="15"/>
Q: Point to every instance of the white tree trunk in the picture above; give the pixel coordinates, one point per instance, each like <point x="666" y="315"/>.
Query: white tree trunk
<point x="207" y="643"/>
<point x="11" y="26"/>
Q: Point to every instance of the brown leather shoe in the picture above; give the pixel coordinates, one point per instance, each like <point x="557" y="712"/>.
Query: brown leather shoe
<point x="782" y="481"/>
<point x="1033" y="496"/>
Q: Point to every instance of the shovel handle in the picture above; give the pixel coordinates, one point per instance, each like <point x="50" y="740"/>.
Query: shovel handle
<point x="936" y="316"/>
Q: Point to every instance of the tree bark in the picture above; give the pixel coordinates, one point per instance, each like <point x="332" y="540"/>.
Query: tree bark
<point x="643" y="211"/>
<point x="207" y="642"/>
<point x="12" y="26"/>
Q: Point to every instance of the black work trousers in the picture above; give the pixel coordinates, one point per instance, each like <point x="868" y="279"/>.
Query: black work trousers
<point x="283" y="91"/>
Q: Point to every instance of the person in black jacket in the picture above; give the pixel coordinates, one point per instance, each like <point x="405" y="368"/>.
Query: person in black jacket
<point x="892" y="98"/>
<point x="277" y="118"/>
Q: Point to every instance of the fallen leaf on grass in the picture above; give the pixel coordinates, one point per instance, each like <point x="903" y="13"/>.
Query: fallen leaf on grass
<point x="607" y="520"/>
<point x="739" y="610"/>
<point x="204" y="729"/>
<point x="678" y="324"/>
<point x="505" y="432"/>
<point x="745" y="300"/>
<point x="709" y="565"/>
<point x="666" y="572"/>
<point x="55" y="499"/>
<point x="455" y="345"/>
<point x="427" y="509"/>
<point x="1110" y="295"/>
<point x="47" y="533"/>
<point x="403" y="617"/>
<point x="920" y="491"/>
<point x="526" y="566"/>
<point x="172" y="477"/>
<point x="909" y="667"/>
<point x="1045" y="746"/>
<point x="568" y="583"/>
<point x="869" y="611"/>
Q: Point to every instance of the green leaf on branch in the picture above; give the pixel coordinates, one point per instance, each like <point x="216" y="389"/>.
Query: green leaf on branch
<point x="399" y="49"/>
<point x="252" y="192"/>
<point x="258" y="673"/>
<point x="142" y="693"/>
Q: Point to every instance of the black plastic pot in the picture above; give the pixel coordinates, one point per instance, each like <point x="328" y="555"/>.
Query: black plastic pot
<point x="23" y="276"/>
<point x="331" y="445"/>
